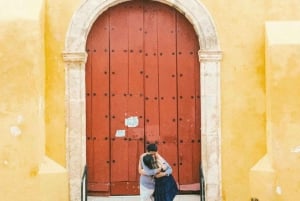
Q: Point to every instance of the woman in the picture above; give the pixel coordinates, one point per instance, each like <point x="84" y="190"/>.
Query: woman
<point x="164" y="183"/>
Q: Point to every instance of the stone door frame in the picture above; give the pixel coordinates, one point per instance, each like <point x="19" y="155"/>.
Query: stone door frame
<point x="210" y="56"/>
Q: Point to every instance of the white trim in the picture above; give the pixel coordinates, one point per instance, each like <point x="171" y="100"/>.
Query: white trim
<point x="209" y="54"/>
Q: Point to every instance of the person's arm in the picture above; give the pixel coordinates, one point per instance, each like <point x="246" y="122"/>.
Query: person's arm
<point x="166" y="168"/>
<point x="140" y="168"/>
<point x="144" y="170"/>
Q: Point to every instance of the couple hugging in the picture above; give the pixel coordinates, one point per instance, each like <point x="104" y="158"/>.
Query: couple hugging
<point x="156" y="180"/>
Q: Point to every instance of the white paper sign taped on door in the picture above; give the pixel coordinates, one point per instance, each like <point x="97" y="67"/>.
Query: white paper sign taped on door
<point x="132" y="122"/>
<point x="120" y="133"/>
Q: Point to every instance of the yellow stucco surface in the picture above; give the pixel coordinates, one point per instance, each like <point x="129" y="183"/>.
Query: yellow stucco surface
<point x="33" y="110"/>
<point x="22" y="102"/>
<point x="283" y="101"/>
<point x="275" y="176"/>
<point x="241" y="29"/>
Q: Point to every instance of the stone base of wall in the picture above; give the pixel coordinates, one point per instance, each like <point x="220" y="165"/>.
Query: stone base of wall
<point x="53" y="182"/>
<point x="262" y="181"/>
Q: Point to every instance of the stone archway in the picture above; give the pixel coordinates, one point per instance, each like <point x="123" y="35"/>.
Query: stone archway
<point x="209" y="54"/>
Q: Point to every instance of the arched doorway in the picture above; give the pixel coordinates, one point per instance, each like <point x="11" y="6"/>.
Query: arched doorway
<point x="142" y="86"/>
<point x="209" y="55"/>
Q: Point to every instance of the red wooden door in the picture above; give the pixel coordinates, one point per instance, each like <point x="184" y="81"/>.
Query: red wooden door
<point x="142" y="86"/>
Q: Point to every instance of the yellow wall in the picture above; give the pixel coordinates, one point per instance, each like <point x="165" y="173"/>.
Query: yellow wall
<point x="241" y="29"/>
<point x="32" y="98"/>
<point x="22" y="97"/>
<point x="283" y="100"/>
<point x="276" y="177"/>
<point x="22" y="105"/>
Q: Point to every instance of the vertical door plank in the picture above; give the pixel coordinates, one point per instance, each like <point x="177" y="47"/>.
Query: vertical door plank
<point x="188" y="109"/>
<point x="186" y="79"/>
<point x="167" y="84"/>
<point x="135" y="99"/>
<point x="167" y="68"/>
<point x="88" y="78"/>
<point x="197" y="136"/>
<point x="100" y="101"/>
<point x="151" y="73"/>
<point x="119" y="88"/>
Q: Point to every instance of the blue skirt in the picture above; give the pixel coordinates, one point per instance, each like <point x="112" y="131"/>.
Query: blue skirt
<point x="165" y="188"/>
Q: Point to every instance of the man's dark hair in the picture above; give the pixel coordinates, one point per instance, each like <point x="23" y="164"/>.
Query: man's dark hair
<point x="152" y="147"/>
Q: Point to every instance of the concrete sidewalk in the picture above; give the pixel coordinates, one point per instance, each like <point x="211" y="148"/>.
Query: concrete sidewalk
<point x="137" y="198"/>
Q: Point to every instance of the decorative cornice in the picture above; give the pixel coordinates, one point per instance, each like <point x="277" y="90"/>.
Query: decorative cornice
<point x="74" y="57"/>
<point x="210" y="55"/>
